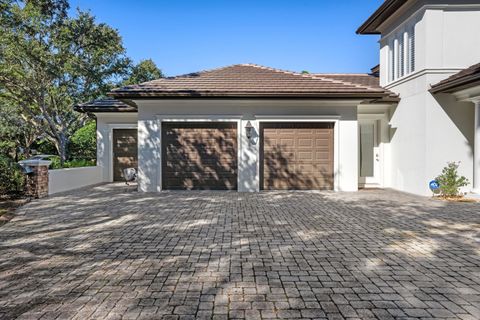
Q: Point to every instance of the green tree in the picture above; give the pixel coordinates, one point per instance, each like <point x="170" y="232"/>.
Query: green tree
<point x="145" y="70"/>
<point x="50" y="61"/>
<point x="17" y="131"/>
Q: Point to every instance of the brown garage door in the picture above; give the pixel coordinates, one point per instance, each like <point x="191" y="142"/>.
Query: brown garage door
<point x="124" y="151"/>
<point x="199" y="156"/>
<point x="297" y="156"/>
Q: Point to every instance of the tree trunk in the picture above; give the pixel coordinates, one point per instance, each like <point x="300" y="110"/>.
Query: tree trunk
<point x="61" y="146"/>
<point x="62" y="151"/>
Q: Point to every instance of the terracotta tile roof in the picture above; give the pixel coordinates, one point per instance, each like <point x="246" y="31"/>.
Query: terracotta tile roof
<point x="364" y="79"/>
<point x="464" y="79"/>
<point x="249" y="80"/>
<point x="105" y="105"/>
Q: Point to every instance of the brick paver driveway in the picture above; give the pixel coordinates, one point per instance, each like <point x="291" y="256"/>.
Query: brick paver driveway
<point x="110" y="252"/>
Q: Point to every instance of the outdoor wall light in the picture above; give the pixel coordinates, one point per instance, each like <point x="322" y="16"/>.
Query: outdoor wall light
<point x="249" y="130"/>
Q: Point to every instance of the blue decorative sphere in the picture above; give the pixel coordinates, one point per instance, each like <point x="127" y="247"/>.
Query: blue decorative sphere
<point x="434" y="185"/>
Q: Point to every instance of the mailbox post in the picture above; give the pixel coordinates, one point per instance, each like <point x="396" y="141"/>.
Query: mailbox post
<point x="37" y="177"/>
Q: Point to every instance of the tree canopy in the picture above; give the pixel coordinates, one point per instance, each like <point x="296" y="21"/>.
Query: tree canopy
<point x="145" y="70"/>
<point x="50" y="61"/>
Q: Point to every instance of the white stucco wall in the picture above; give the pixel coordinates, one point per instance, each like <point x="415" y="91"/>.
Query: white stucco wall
<point x="153" y="112"/>
<point x="60" y="180"/>
<point x="106" y="122"/>
<point x="428" y="131"/>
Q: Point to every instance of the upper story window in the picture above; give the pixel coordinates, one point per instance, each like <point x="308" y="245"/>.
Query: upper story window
<point x="401" y="59"/>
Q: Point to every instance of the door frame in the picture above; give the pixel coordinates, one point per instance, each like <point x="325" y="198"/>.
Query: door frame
<point x="313" y="118"/>
<point x="112" y="127"/>
<point x="195" y="118"/>
<point x="382" y="137"/>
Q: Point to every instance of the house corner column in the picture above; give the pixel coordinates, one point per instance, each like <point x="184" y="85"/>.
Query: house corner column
<point x="476" y="150"/>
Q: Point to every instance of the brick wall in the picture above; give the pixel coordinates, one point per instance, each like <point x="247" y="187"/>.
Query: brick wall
<point x="37" y="182"/>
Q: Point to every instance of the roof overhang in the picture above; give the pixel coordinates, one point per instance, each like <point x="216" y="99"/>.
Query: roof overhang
<point x="243" y="95"/>
<point x="457" y="85"/>
<point x="385" y="11"/>
<point x="106" y="105"/>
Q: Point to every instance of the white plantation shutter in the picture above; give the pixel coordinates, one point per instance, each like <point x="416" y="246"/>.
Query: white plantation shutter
<point x="401" y="56"/>
<point x="411" y="50"/>
<point x="391" y="61"/>
<point x="395" y="59"/>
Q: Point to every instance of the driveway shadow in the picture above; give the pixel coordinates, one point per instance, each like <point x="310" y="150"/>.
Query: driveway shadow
<point x="112" y="252"/>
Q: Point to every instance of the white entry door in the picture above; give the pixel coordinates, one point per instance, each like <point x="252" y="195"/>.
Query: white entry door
<point x="369" y="149"/>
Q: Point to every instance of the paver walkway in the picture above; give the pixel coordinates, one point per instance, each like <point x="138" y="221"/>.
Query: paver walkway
<point x="112" y="253"/>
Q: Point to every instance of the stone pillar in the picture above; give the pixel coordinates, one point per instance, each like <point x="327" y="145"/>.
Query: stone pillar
<point x="36" y="184"/>
<point x="476" y="151"/>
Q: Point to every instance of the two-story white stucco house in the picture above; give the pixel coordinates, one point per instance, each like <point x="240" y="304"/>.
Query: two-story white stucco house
<point x="249" y="128"/>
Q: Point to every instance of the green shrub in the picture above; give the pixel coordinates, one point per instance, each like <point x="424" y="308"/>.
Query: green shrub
<point x="44" y="146"/>
<point x="7" y="147"/>
<point x="55" y="162"/>
<point x="76" y="163"/>
<point x="450" y="182"/>
<point x="83" y="144"/>
<point x="12" y="180"/>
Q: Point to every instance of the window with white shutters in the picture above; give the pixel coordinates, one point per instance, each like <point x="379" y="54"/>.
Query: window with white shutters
<point x="401" y="54"/>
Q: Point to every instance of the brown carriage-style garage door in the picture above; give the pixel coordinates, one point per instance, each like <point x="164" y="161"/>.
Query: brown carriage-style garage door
<point x="199" y="155"/>
<point x="297" y="156"/>
<point x="124" y="151"/>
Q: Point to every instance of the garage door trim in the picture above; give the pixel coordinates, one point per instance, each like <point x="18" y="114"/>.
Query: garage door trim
<point x="304" y="119"/>
<point x="193" y="119"/>
<point x="112" y="127"/>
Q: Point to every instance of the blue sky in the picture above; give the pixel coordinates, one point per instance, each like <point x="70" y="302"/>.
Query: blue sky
<point x="184" y="36"/>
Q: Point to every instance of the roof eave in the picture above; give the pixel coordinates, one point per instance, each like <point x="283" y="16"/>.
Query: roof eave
<point x="230" y="95"/>
<point x="96" y="109"/>
<point x="379" y="16"/>
<point x="456" y="85"/>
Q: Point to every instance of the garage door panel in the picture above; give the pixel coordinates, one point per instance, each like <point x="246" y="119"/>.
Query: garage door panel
<point x="306" y="162"/>
<point x="187" y="133"/>
<point x="305" y="156"/>
<point x="199" y="156"/>
<point x="307" y="132"/>
<point x="193" y="183"/>
<point x="305" y="142"/>
<point x="207" y="166"/>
